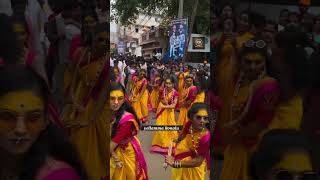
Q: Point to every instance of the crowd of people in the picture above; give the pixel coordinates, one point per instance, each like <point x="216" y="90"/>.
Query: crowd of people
<point x="266" y="76"/>
<point x="176" y="93"/>
<point x="67" y="106"/>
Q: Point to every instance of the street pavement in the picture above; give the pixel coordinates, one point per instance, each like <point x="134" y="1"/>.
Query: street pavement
<point x="154" y="161"/>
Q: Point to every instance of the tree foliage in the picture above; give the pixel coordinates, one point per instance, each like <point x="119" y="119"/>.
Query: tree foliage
<point x="126" y="12"/>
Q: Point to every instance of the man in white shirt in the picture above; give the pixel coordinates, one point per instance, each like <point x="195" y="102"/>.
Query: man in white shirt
<point x="36" y="15"/>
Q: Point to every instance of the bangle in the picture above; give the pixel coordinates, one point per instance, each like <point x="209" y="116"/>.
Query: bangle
<point x="177" y="164"/>
<point x="115" y="158"/>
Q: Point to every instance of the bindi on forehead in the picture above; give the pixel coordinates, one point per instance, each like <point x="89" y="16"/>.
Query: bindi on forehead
<point x="22" y="101"/>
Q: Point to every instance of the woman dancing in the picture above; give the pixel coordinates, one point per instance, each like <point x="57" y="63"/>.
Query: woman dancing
<point x="127" y="160"/>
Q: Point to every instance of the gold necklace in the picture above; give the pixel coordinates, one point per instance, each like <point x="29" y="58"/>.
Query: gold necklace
<point x="234" y="106"/>
<point x="195" y="144"/>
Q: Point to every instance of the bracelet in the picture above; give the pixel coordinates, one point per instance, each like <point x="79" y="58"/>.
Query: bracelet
<point x="177" y="164"/>
<point x="115" y="158"/>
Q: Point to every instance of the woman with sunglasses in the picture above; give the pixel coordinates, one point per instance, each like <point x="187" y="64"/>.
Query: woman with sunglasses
<point x="165" y="116"/>
<point x="284" y="154"/>
<point x="192" y="155"/>
<point x="187" y="97"/>
<point x="252" y="109"/>
<point x="139" y="96"/>
<point x="86" y="114"/>
<point x="31" y="146"/>
<point x="127" y="160"/>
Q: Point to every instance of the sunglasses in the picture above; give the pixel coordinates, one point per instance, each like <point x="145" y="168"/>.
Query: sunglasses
<point x="286" y="175"/>
<point x="258" y="44"/>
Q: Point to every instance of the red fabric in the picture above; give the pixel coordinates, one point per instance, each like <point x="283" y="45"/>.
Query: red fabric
<point x="2" y="61"/>
<point x="262" y="107"/>
<point x="204" y="149"/>
<point x="52" y="17"/>
<point x="186" y="128"/>
<point x="67" y="173"/>
<point x="217" y="139"/>
<point x="75" y="43"/>
<point x="214" y="101"/>
<point x="124" y="132"/>
<point x="261" y="110"/>
<point x="30" y="58"/>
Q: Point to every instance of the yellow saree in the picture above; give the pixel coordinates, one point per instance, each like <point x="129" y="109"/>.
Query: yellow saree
<point x="164" y="117"/>
<point x="186" y="99"/>
<point x="130" y="154"/>
<point x="185" y="151"/>
<point x="155" y="94"/>
<point x="139" y="99"/>
<point x="261" y="99"/>
<point x="87" y="118"/>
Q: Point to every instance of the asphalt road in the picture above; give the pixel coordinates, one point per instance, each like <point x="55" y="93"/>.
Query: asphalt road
<point x="154" y="161"/>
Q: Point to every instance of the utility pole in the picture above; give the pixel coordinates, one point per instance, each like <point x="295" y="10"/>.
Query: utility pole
<point x="193" y="15"/>
<point x="180" y="13"/>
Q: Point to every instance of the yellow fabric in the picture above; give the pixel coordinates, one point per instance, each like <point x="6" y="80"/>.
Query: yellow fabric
<point x="91" y="142"/>
<point x="237" y="156"/>
<point x="154" y="97"/>
<point x="226" y="71"/>
<point x="197" y="173"/>
<point x="128" y="158"/>
<point x="183" y="116"/>
<point x="200" y="98"/>
<point x="89" y="130"/>
<point x="141" y="105"/>
<point x="295" y="162"/>
<point x="288" y="115"/>
<point x="18" y="28"/>
<point x="163" y="138"/>
<point x="235" y="164"/>
<point x="242" y="39"/>
<point x="181" y="77"/>
<point x="88" y="73"/>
